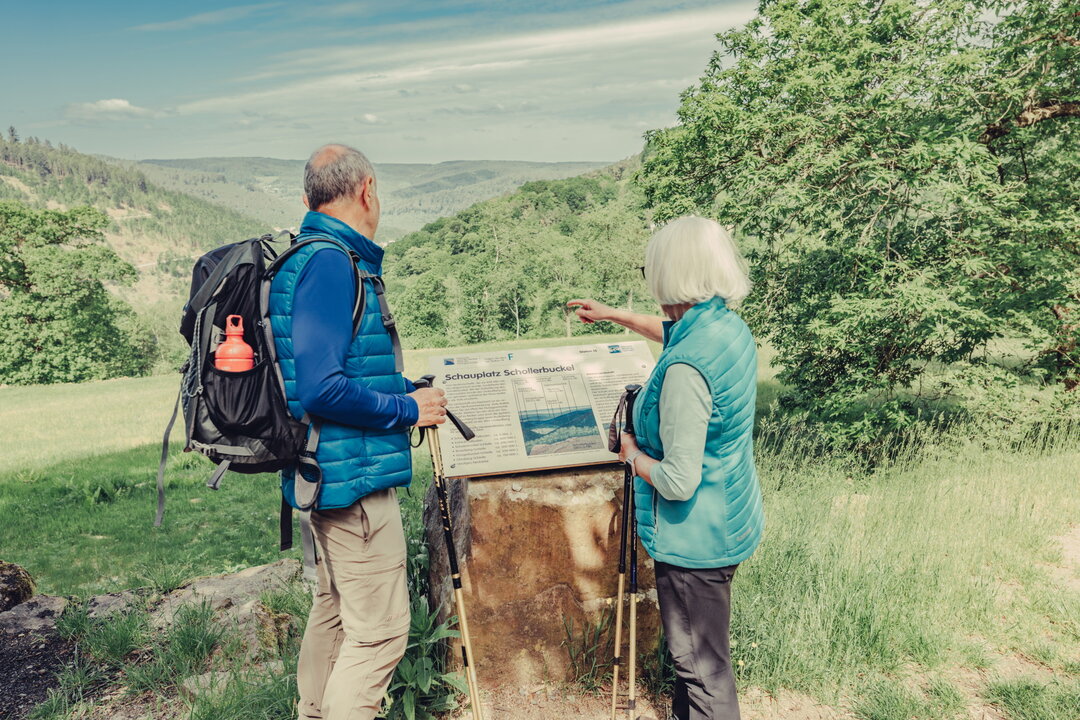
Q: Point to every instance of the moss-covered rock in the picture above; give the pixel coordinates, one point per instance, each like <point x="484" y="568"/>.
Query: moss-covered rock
<point x="16" y="585"/>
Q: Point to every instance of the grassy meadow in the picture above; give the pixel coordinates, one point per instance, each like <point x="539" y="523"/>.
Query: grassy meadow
<point x="934" y="587"/>
<point x="78" y="467"/>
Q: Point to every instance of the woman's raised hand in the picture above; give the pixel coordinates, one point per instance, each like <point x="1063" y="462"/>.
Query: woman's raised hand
<point x="590" y="311"/>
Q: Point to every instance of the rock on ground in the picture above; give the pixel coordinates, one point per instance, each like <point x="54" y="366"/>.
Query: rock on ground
<point x="38" y="614"/>
<point x="16" y="585"/>
<point x="101" y="606"/>
<point x="222" y="592"/>
<point x="237" y="601"/>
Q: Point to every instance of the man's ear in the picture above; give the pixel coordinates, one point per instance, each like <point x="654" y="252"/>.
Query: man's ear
<point x="367" y="191"/>
<point x="306" y="204"/>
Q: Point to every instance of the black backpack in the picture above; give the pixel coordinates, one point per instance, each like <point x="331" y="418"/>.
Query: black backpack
<point x="241" y="420"/>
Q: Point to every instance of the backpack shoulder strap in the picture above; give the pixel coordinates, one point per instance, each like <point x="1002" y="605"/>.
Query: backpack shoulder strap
<point x="164" y="459"/>
<point x="275" y="266"/>
<point x="387" y="317"/>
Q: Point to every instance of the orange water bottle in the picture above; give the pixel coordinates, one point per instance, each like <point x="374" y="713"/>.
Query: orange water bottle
<point x="234" y="355"/>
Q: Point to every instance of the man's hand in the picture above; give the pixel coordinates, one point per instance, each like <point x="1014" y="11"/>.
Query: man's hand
<point x="432" y="404"/>
<point x="590" y="311"/>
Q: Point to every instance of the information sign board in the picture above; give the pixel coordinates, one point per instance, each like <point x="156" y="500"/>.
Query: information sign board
<point x="537" y="408"/>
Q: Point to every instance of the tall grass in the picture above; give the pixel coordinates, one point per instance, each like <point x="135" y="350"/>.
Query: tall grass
<point x="891" y="700"/>
<point x="862" y="572"/>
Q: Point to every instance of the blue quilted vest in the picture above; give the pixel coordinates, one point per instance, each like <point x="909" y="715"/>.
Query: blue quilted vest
<point x="722" y="523"/>
<point x="355" y="461"/>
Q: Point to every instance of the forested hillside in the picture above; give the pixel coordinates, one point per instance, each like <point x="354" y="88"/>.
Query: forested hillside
<point x="912" y="173"/>
<point x="504" y="268"/>
<point x="159" y="231"/>
<point x="40" y="175"/>
<point x="156" y="233"/>
<point x="412" y="193"/>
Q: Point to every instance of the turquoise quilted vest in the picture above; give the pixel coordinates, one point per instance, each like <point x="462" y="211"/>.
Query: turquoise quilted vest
<point x="355" y="461"/>
<point x="722" y="523"/>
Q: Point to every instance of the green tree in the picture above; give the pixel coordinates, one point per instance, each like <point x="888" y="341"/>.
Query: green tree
<point x="422" y="311"/>
<point x="58" y="322"/>
<point x="905" y="179"/>
<point x="504" y="268"/>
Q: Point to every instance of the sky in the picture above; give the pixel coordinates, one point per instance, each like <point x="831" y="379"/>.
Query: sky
<point x="417" y="81"/>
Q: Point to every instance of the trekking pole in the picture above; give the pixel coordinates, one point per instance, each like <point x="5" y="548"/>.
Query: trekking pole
<point x="626" y="408"/>
<point x="619" y="599"/>
<point x="631" y="678"/>
<point x="467" y="657"/>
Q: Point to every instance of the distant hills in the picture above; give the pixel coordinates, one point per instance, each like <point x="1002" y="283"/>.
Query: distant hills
<point x="165" y="213"/>
<point x="412" y="194"/>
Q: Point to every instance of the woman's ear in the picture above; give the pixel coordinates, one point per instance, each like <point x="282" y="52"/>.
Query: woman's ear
<point x="306" y="204"/>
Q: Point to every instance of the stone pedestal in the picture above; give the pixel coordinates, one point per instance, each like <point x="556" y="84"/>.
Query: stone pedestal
<point x="538" y="551"/>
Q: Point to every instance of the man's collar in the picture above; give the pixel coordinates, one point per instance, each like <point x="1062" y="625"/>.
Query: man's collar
<point x="317" y="223"/>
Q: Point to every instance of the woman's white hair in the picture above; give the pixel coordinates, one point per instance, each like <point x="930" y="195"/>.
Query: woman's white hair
<point x="693" y="259"/>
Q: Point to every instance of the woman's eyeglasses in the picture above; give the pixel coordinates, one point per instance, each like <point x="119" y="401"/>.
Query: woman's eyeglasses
<point x="642" y="269"/>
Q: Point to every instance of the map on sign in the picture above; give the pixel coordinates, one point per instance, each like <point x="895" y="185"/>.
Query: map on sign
<point x="538" y="408"/>
<point x="556" y="415"/>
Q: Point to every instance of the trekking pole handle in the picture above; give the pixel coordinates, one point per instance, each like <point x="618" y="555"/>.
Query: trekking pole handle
<point x="428" y="381"/>
<point x="631" y="395"/>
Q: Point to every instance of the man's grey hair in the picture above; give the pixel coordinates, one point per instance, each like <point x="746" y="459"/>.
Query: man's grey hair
<point x="334" y="171"/>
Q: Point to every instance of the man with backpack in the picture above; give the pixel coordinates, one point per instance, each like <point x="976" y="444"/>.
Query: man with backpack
<point x="346" y="372"/>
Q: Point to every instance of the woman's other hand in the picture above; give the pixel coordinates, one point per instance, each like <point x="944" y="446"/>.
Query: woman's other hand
<point x="643" y="462"/>
<point x="590" y="311"/>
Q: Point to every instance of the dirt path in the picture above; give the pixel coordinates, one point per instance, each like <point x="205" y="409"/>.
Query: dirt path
<point x="554" y="703"/>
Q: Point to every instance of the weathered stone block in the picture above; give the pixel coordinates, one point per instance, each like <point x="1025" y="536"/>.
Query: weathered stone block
<point x="38" y="614"/>
<point x="537" y="550"/>
<point x="101" y="606"/>
<point x="222" y="592"/>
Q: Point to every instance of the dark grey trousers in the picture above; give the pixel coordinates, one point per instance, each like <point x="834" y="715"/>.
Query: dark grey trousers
<point x="695" y="607"/>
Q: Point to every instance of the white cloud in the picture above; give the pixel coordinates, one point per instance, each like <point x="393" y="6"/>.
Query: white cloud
<point x="111" y="109"/>
<point x="215" y="17"/>
<point x="585" y="90"/>
<point x="456" y="65"/>
<point x="648" y="33"/>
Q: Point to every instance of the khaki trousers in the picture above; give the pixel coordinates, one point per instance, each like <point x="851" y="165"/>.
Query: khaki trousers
<point x="359" y="623"/>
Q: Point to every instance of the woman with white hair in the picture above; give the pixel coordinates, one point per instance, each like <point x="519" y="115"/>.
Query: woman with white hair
<point x="699" y="509"/>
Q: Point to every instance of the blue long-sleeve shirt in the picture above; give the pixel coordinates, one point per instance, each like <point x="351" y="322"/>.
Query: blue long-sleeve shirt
<point x="322" y="333"/>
